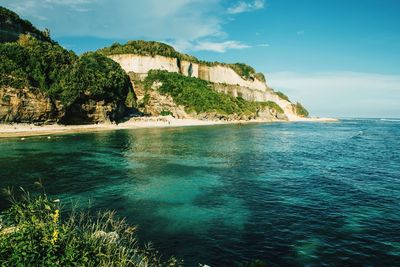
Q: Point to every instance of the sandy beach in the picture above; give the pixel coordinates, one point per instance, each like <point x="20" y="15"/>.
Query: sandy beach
<point x="24" y="130"/>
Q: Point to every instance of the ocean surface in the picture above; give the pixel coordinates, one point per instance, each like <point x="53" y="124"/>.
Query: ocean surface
<point x="290" y="194"/>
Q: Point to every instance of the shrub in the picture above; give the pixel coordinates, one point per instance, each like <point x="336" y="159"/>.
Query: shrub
<point x="165" y="112"/>
<point x="12" y="25"/>
<point x="247" y="72"/>
<point x="35" y="233"/>
<point x="146" y="48"/>
<point x="272" y="105"/>
<point x="96" y="76"/>
<point x="282" y="95"/>
<point x="59" y="73"/>
<point x="300" y="110"/>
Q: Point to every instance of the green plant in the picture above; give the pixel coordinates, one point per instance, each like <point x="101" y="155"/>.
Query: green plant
<point x="247" y="72"/>
<point x="12" y="25"/>
<point x="300" y="110"/>
<point x="60" y="74"/>
<point x="271" y="105"/>
<point x="282" y="95"/>
<point x="165" y="112"/>
<point x="35" y="233"/>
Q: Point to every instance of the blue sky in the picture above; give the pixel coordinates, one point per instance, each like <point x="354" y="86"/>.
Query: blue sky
<point x="339" y="58"/>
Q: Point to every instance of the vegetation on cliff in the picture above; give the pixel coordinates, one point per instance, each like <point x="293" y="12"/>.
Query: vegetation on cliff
<point x="146" y="48"/>
<point x="63" y="76"/>
<point x="151" y="48"/>
<point x="11" y="26"/>
<point x="35" y="232"/>
<point x="300" y="110"/>
<point x="96" y="76"/>
<point x="198" y="95"/>
<point x="60" y="73"/>
<point x="247" y="72"/>
<point x="282" y="95"/>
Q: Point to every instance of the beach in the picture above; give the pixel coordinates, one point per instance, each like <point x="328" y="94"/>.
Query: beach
<point x="24" y="129"/>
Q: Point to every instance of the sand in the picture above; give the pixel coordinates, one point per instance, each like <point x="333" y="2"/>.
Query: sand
<point x="24" y="130"/>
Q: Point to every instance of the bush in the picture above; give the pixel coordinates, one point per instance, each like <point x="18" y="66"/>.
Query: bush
<point x="12" y="25"/>
<point x="300" y="110"/>
<point x="36" y="63"/>
<point x="282" y="95"/>
<point x="35" y="233"/>
<point x="271" y="105"/>
<point x="247" y="72"/>
<point x="165" y="112"/>
<point x="96" y="76"/>
<point x="59" y="73"/>
<point x="146" y="48"/>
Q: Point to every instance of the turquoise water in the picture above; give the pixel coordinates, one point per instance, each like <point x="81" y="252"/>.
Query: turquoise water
<point x="291" y="194"/>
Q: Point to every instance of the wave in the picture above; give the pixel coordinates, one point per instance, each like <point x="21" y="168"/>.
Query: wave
<point x="395" y="120"/>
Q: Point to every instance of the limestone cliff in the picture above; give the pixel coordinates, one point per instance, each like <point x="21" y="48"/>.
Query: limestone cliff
<point x="223" y="74"/>
<point x="238" y="80"/>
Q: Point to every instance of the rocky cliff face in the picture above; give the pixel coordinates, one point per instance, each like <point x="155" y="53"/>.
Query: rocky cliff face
<point x="30" y="105"/>
<point x="216" y="74"/>
<point x="223" y="78"/>
<point x="27" y="105"/>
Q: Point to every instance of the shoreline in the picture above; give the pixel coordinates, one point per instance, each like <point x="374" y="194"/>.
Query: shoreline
<point x="26" y="130"/>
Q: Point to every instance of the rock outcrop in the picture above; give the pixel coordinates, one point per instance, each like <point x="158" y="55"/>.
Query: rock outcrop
<point x="27" y="105"/>
<point x="88" y="111"/>
<point x="152" y="103"/>
<point x="30" y="105"/>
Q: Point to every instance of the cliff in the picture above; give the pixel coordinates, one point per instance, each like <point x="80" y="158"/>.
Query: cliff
<point x="224" y="74"/>
<point x="237" y="80"/>
<point x="41" y="82"/>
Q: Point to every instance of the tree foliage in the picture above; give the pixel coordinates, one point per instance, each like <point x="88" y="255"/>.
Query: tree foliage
<point x="11" y="26"/>
<point x="300" y="110"/>
<point x="60" y="73"/>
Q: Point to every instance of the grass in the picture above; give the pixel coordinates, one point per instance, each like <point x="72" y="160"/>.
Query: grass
<point x="35" y="232"/>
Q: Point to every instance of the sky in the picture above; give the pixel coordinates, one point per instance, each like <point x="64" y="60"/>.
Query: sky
<point x="339" y="58"/>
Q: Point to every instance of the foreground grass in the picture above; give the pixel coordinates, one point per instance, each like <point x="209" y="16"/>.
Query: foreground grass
<point x="33" y="232"/>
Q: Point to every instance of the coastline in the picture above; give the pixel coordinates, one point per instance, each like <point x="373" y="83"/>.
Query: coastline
<point x="26" y="130"/>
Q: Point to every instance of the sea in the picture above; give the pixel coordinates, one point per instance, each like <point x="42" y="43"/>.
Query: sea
<point x="287" y="194"/>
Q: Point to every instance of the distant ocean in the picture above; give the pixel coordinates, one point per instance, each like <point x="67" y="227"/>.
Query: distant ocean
<point x="290" y="194"/>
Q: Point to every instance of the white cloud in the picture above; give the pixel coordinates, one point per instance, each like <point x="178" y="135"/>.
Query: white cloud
<point x="243" y="6"/>
<point x="190" y="25"/>
<point x="348" y="94"/>
<point x="124" y="19"/>
<point x="219" y="47"/>
<point x="199" y="45"/>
